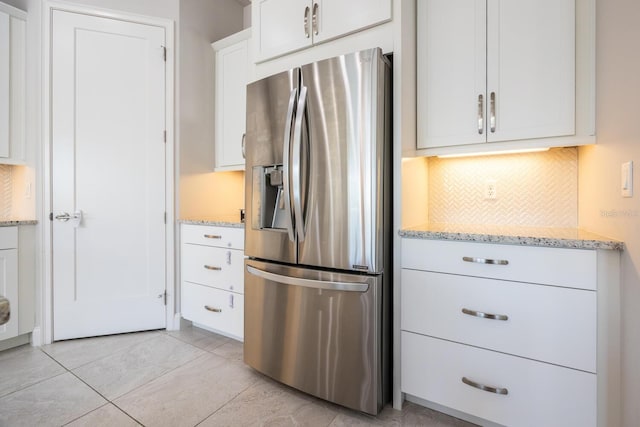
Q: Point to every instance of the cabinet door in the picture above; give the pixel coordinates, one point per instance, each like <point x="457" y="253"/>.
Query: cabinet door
<point x="279" y="27"/>
<point x="9" y="290"/>
<point x="231" y="93"/>
<point x="335" y="18"/>
<point x="531" y="68"/>
<point x="12" y="88"/>
<point x="451" y="72"/>
<point x="5" y="66"/>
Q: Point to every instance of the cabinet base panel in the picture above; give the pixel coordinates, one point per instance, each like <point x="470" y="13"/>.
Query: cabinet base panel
<point x="15" y="341"/>
<point x="450" y="411"/>
<point x="216" y="331"/>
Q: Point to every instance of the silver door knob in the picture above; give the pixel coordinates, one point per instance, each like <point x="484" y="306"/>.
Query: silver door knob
<point x="64" y="217"/>
<point x="76" y="217"/>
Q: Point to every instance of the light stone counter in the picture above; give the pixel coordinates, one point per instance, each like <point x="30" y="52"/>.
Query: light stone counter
<point x="232" y="221"/>
<point x="14" y="222"/>
<point x="573" y="238"/>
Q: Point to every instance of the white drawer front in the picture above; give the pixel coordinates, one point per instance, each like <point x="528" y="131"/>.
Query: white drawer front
<point x="217" y="267"/>
<point x="548" y="323"/>
<point x="572" y="268"/>
<point x="8" y="237"/>
<point x="222" y="237"/>
<point x="213" y="308"/>
<point x="539" y="394"/>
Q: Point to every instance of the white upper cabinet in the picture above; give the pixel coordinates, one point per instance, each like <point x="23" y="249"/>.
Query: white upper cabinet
<point x="231" y="77"/>
<point x="12" y="85"/>
<point x="495" y="70"/>
<point x="283" y="26"/>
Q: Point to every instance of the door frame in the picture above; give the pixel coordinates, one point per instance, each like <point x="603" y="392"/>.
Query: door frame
<point x="45" y="336"/>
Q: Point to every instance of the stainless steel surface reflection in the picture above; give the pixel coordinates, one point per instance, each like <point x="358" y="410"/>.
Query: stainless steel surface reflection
<point x="322" y="341"/>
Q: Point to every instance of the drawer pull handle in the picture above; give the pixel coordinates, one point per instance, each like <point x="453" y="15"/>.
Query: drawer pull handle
<point x="485" y="315"/>
<point x="496" y="390"/>
<point x="212" y="236"/>
<point x="211" y="267"/>
<point x="215" y="310"/>
<point x="485" y="260"/>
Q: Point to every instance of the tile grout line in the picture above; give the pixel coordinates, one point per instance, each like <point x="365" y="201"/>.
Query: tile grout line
<point x="108" y="401"/>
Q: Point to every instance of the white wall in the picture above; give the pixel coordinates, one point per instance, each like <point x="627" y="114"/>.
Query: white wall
<point x="201" y="23"/>
<point x="601" y="208"/>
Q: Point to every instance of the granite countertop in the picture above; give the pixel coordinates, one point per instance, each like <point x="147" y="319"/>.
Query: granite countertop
<point x="573" y="238"/>
<point x="232" y="221"/>
<point x="13" y="222"/>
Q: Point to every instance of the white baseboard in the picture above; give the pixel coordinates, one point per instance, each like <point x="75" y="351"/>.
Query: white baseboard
<point x="36" y="337"/>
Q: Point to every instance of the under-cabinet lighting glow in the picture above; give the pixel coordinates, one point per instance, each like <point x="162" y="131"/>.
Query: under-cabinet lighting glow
<point x="494" y="153"/>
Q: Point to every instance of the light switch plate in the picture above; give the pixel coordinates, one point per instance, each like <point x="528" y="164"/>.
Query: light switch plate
<point x="626" y="179"/>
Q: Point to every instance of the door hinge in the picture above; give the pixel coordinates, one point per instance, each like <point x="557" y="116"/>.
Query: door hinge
<point x="164" y="53"/>
<point x="165" y="217"/>
<point x="165" y="297"/>
<point x="165" y="136"/>
<point x="50" y="216"/>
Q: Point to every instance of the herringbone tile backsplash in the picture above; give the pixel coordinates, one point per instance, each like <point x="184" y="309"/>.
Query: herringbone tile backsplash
<point x="6" y="190"/>
<point x="533" y="189"/>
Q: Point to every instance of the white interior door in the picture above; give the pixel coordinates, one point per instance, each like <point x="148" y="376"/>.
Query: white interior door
<point x="108" y="175"/>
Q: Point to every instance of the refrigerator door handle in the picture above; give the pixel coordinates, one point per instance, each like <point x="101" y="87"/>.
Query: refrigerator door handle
<point x="296" y="171"/>
<point x="285" y="164"/>
<point x="309" y="283"/>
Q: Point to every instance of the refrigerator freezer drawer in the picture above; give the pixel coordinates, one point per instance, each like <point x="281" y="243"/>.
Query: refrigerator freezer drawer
<point x="320" y="332"/>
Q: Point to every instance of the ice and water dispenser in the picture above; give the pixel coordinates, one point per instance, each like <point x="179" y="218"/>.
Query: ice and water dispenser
<point x="268" y="198"/>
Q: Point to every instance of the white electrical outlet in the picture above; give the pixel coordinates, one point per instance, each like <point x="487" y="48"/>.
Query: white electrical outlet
<point x="626" y="180"/>
<point x="490" y="190"/>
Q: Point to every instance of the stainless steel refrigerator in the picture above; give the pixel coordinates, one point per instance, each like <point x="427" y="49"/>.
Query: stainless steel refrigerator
<point x="317" y="233"/>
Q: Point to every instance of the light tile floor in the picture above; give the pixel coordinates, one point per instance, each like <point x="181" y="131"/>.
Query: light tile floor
<point x="176" y="378"/>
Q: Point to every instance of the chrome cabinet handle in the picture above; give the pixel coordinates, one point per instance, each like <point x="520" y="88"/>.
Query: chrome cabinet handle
<point x="485" y="260"/>
<point x="314" y="19"/>
<point x="492" y="117"/>
<point x="211" y="267"/>
<point x="480" y="114"/>
<point x="231" y="301"/>
<point x="244" y="139"/>
<point x="213" y="309"/>
<point x="212" y="236"/>
<point x="485" y="315"/>
<point x="228" y="257"/>
<point x="490" y="389"/>
<point x="306" y="22"/>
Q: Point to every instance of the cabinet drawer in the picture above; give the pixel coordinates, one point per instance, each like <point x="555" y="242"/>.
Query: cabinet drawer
<point x="213" y="308"/>
<point x="217" y="267"/>
<point x="222" y="237"/>
<point x="8" y="237"/>
<point x="547" y="323"/>
<point x="538" y="394"/>
<point x="574" y="268"/>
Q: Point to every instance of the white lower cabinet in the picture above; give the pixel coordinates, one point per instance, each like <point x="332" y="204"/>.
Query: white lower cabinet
<point x="515" y="335"/>
<point x="9" y="278"/>
<point x="212" y="269"/>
